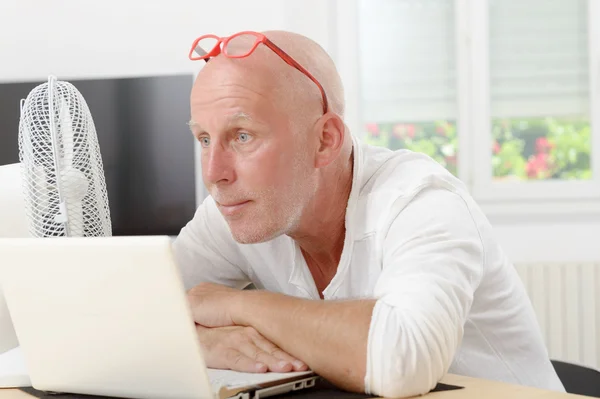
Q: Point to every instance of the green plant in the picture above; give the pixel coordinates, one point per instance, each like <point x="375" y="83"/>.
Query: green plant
<point x="522" y="149"/>
<point x="436" y="139"/>
<point x="541" y="148"/>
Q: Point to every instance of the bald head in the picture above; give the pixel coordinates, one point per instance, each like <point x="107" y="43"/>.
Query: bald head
<point x="267" y="75"/>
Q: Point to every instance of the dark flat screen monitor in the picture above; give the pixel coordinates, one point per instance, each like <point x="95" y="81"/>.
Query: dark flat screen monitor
<point x="146" y="146"/>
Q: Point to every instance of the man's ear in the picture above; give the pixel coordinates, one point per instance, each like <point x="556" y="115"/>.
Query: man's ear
<point x="330" y="132"/>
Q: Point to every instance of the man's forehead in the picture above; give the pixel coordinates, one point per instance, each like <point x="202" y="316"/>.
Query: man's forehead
<point x="247" y="77"/>
<point x="235" y="117"/>
<point x="222" y="69"/>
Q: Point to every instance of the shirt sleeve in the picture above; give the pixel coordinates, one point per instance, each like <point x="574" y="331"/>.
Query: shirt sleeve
<point x="205" y="251"/>
<point x="432" y="263"/>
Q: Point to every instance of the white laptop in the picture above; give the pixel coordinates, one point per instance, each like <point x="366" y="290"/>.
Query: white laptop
<point x="109" y="316"/>
<point x="13" y="223"/>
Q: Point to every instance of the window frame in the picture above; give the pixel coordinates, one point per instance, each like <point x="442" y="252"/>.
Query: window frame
<point x="473" y="104"/>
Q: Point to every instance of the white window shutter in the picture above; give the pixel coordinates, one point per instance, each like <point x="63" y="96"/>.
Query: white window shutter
<point x="538" y="58"/>
<point x="407" y="60"/>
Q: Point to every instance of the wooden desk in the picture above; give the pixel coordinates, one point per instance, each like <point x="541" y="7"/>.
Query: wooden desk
<point x="474" y="388"/>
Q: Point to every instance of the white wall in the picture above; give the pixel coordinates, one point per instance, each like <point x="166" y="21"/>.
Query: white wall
<point x="549" y="241"/>
<point x="85" y="39"/>
<point x="72" y="38"/>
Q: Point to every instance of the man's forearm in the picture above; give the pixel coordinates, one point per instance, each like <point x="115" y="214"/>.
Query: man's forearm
<point x="330" y="336"/>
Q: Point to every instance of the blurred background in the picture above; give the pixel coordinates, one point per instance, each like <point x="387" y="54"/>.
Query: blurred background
<point x="503" y="93"/>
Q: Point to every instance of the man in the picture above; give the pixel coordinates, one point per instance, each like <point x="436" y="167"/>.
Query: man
<point x="374" y="268"/>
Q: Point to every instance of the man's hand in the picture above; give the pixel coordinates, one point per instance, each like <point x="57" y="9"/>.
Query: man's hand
<point x="250" y="327"/>
<point x="212" y="304"/>
<point x="244" y="349"/>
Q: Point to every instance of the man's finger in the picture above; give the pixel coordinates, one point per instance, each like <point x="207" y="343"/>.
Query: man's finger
<point x="274" y="364"/>
<point x="238" y="361"/>
<point x="274" y="351"/>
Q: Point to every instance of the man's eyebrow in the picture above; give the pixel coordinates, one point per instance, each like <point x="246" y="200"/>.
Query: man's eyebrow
<point x="194" y="126"/>
<point x="239" y="116"/>
<point x="234" y="118"/>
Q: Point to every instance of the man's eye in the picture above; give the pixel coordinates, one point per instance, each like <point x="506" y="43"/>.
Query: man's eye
<point x="243" y="137"/>
<point x="204" y="141"/>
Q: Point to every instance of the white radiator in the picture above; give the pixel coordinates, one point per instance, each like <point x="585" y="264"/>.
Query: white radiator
<point x="566" y="299"/>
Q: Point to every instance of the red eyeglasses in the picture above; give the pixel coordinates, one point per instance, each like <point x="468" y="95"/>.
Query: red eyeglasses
<point x="241" y="45"/>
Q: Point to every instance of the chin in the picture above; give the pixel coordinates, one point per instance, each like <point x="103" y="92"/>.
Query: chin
<point x="246" y="230"/>
<point x="253" y="234"/>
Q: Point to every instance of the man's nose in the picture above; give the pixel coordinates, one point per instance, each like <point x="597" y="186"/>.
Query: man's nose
<point x="217" y="165"/>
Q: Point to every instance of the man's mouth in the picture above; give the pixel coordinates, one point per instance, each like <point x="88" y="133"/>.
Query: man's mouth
<point x="232" y="208"/>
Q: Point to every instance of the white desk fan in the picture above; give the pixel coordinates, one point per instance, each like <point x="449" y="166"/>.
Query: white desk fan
<point x="63" y="178"/>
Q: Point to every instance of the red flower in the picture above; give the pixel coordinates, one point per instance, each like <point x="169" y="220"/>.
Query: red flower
<point x="542" y="145"/>
<point x="373" y="129"/>
<point x="402" y="131"/>
<point x="537" y="166"/>
<point x="495" y="147"/>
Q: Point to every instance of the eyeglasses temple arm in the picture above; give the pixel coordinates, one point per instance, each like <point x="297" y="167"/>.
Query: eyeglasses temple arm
<point x="290" y="61"/>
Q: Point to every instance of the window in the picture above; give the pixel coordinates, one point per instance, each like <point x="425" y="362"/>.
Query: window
<point x="539" y="89"/>
<point x="407" y="70"/>
<point x="503" y="93"/>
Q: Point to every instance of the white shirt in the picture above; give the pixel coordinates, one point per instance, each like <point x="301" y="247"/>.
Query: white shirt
<point x="448" y="299"/>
